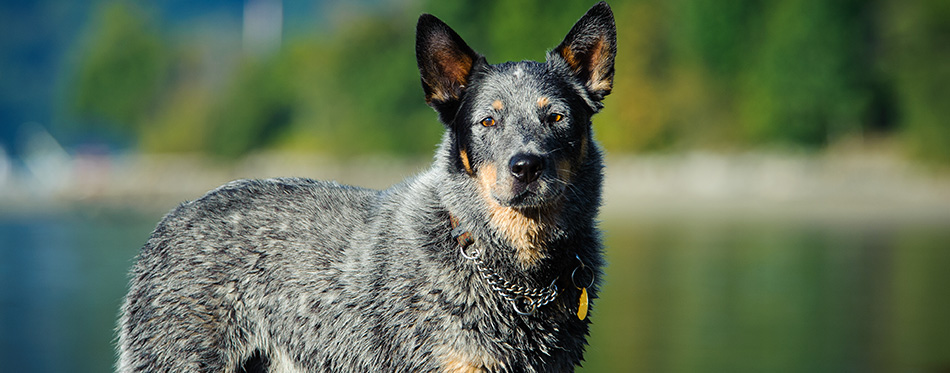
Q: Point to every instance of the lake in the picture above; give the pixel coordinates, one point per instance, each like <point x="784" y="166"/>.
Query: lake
<point x="742" y="296"/>
<point x="680" y="295"/>
<point x="742" y="264"/>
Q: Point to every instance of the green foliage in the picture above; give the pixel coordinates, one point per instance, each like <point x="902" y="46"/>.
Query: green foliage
<point x="689" y="73"/>
<point x="718" y="34"/>
<point x="260" y="105"/>
<point x="916" y="45"/>
<point x="122" y="70"/>
<point x="805" y="83"/>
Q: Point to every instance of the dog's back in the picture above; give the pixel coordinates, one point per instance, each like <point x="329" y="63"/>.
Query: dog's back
<point x="213" y="266"/>
<point x="484" y="262"/>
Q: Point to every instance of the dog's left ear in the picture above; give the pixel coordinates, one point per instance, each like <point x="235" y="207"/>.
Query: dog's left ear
<point x="445" y="63"/>
<point x="589" y="50"/>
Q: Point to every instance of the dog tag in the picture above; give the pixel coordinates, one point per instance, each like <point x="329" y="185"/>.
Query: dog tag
<point x="582" y="305"/>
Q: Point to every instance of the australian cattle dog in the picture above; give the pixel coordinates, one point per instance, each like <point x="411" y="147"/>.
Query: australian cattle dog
<point x="489" y="260"/>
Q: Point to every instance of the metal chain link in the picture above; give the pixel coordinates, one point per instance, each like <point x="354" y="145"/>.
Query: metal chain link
<point x="523" y="299"/>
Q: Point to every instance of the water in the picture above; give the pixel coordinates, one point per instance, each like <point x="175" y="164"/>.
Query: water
<point x="62" y="278"/>
<point x="754" y="296"/>
<point x="693" y="295"/>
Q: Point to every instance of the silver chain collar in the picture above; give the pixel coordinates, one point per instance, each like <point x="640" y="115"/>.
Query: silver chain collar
<point x="523" y="299"/>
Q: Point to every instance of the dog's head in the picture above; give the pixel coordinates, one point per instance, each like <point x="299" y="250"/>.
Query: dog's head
<point x="520" y="128"/>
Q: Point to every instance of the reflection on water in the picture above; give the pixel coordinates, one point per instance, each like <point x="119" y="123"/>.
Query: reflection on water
<point x="62" y="278"/>
<point x="686" y="296"/>
<point x="769" y="297"/>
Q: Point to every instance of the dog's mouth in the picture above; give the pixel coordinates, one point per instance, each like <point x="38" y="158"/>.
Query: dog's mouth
<point x="538" y="194"/>
<point x="526" y="200"/>
<point x="502" y="190"/>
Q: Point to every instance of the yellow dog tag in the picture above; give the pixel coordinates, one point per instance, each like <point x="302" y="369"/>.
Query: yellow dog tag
<point x="582" y="305"/>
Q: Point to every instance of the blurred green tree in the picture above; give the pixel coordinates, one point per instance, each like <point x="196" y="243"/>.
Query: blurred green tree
<point x="806" y="83"/>
<point x="259" y="106"/>
<point x="916" y="62"/>
<point x="689" y="73"/>
<point x="121" y="72"/>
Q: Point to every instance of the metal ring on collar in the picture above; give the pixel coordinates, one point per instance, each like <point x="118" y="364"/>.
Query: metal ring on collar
<point x="465" y="255"/>
<point x="574" y="276"/>
<point x="527" y="301"/>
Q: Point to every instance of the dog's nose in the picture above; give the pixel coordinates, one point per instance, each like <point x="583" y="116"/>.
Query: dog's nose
<point x="526" y="167"/>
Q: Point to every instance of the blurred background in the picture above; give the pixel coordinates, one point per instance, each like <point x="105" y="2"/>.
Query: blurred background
<point x="777" y="192"/>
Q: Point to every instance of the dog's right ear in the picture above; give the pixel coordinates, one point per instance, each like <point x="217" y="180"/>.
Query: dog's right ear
<point x="445" y="63"/>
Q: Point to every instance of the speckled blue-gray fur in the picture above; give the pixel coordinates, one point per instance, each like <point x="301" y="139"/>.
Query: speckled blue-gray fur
<point x="296" y="275"/>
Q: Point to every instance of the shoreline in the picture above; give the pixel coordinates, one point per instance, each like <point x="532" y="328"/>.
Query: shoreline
<point x="774" y="186"/>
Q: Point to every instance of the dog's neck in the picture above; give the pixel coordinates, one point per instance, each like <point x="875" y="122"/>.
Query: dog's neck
<point x="524" y="300"/>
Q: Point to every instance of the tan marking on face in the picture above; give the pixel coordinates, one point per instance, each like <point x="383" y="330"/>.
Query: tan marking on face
<point x="543" y="101"/>
<point x="456" y="362"/>
<point x="459" y="366"/>
<point x="498" y="105"/>
<point x="525" y="233"/>
<point x="468" y="167"/>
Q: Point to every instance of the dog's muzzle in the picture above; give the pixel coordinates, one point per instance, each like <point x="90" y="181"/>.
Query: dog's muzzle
<point x="531" y="182"/>
<point x="526" y="168"/>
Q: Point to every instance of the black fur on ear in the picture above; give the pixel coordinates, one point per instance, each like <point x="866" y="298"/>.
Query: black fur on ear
<point x="589" y="50"/>
<point x="445" y="63"/>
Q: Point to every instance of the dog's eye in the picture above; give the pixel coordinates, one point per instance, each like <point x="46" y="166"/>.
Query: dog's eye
<point x="555" y="117"/>
<point x="488" y="122"/>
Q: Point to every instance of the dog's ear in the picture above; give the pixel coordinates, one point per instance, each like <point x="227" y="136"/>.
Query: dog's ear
<point x="589" y="50"/>
<point x="445" y="63"/>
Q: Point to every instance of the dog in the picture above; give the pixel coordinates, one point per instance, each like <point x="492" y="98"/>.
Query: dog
<point x="485" y="262"/>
